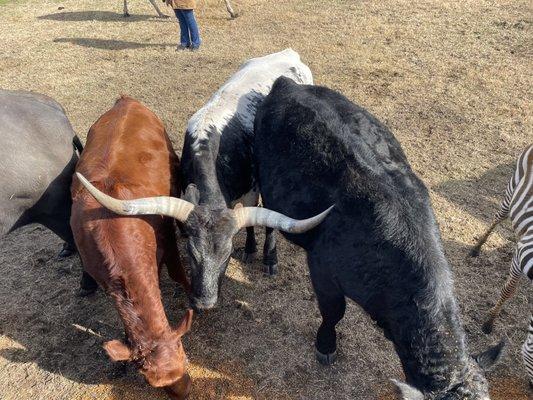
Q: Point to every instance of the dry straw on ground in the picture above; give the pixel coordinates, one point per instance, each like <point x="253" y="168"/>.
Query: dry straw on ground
<point x="453" y="81"/>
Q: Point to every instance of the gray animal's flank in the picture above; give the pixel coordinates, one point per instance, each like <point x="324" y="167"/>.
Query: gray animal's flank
<point x="39" y="154"/>
<point x="38" y="160"/>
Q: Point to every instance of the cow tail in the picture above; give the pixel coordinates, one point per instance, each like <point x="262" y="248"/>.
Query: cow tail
<point x="76" y="142"/>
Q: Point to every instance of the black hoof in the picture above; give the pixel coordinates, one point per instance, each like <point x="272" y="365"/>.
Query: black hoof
<point x="249" y="258"/>
<point x="86" y="292"/>
<point x="326" y="359"/>
<point x="270" y="270"/>
<point x="487" y="327"/>
<point x="126" y="15"/>
<point x="474" y="252"/>
<point x="65" y="253"/>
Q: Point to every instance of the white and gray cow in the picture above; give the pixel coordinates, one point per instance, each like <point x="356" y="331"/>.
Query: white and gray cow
<point x="217" y="158"/>
<point x="39" y="154"/>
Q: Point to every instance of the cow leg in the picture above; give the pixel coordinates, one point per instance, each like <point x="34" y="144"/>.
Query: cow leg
<point x="126" y="13"/>
<point x="88" y="285"/>
<point x="61" y="227"/>
<point x="68" y="250"/>
<point x="159" y="13"/>
<point x="270" y="253"/>
<point x="332" y="309"/>
<point x="250" y="248"/>
<point x="332" y="305"/>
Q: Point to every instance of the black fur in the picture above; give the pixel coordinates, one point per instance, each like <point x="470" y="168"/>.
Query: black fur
<point x="380" y="246"/>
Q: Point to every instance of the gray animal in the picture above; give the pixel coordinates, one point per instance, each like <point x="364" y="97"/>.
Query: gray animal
<point x="380" y="246"/>
<point x="39" y="151"/>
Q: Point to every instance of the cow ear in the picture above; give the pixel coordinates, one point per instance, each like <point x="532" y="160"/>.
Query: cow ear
<point x="407" y="392"/>
<point x="117" y="351"/>
<point x="192" y="195"/>
<point x="490" y="357"/>
<point x="185" y="324"/>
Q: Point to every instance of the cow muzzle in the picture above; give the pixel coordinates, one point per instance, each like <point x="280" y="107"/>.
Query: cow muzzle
<point x="180" y="389"/>
<point x="203" y="303"/>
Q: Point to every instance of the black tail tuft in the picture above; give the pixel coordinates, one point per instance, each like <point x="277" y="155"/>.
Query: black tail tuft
<point x="76" y="142"/>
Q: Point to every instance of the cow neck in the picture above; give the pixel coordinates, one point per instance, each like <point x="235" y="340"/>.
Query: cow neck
<point x="139" y="304"/>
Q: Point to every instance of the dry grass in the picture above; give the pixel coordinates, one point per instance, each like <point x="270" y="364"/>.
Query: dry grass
<point x="453" y="81"/>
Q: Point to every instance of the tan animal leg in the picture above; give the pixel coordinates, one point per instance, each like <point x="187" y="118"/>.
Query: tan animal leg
<point x="159" y="13"/>
<point x="232" y="13"/>
<point x="507" y="292"/>
<point x="126" y="13"/>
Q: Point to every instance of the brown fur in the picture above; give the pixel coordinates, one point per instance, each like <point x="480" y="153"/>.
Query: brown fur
<point x="128" y="155"/>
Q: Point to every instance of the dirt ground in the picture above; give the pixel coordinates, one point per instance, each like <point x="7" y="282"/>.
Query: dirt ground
<point x="451" y="79"/>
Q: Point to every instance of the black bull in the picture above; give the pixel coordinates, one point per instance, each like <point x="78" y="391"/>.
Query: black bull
<point x="380" y="246"/>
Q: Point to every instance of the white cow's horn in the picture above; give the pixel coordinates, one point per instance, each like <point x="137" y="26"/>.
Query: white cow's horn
<point x="256" y="216"/>
<point x="164" y="205"/>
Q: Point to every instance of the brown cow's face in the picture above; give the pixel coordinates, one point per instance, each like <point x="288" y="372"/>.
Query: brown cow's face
<point x="164" y="365"/>
<point x="209" y="247"/>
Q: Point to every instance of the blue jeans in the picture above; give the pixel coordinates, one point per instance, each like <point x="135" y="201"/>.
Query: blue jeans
<point x="190" y="35"/>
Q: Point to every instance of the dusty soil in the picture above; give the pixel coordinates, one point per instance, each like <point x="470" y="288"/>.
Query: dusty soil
<point x="451" y="79"/>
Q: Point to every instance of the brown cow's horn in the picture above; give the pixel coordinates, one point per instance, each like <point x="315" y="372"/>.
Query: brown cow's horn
<point x="164" y="205"/>
<point x="256" y="216"/>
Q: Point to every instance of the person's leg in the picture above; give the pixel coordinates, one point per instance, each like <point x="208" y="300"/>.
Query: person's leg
<point x="185" y="40"/>
<point x="193" y="28"/>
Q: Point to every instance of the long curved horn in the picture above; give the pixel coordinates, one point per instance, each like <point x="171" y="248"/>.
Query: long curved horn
<point x="164" y="205"/>
<point x="256" y="216"/>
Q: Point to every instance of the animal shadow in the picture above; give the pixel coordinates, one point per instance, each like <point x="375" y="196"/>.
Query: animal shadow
<point x="109" y="44"/>
<point x="103" y="16"/>
<point x="480" y="197"/>
<point x="63" y="333"/>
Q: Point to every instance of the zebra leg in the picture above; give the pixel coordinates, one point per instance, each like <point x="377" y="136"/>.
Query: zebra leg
<point x="126" y="13"/>
<point x="270" y="253"/>
<point x="508" y="290"/>
<point x="159" y="13"/>
<point x="500" y="216"/>
<point x="477" y="248"/>
<point x="527" y="352"/>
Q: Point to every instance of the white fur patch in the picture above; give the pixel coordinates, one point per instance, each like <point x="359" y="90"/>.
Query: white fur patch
<point x="238" y="96"/>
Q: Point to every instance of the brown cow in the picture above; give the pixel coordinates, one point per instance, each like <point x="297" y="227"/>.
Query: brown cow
<point x="128" y="154"/>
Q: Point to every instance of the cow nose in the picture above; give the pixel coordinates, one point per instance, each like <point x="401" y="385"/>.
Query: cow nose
<point x="202" y="304"/>
<point x="180" y="389"/>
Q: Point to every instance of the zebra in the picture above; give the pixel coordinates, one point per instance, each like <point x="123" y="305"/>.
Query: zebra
<point x="518" y="207"/>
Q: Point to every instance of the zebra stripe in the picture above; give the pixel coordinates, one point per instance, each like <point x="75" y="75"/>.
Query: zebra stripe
<point x="527" y="351"/>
